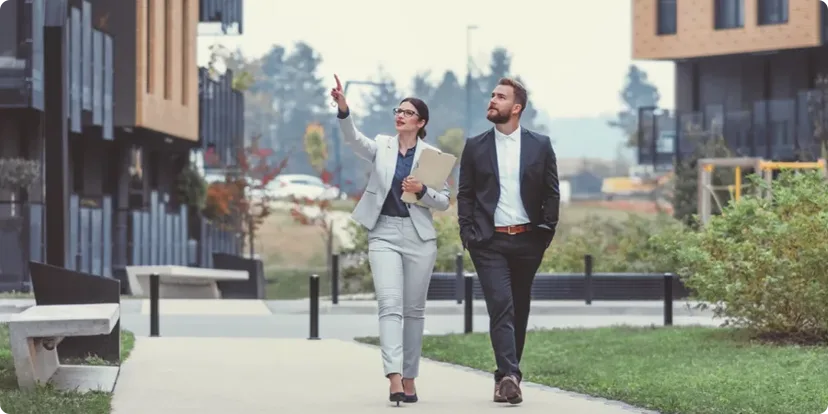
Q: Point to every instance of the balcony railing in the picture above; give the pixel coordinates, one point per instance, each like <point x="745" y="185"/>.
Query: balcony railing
<point x="228" y="13"/>
<point x="98" y="244"/>
<point x="90" y="73"/>
<point x="158" y="236"/>
<point x="214" y="239"/>
<point x="221" y="117"/>
<point x="780" y="129"/>
<point x="90" y="226"/>
<point x="21" y="54"/>
<point x="90" y="63"/>
<point x="21" y="238"/>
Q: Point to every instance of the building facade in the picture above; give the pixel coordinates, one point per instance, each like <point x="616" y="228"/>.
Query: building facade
<point x="745" y="70"/>
<point x="107" y="97"/>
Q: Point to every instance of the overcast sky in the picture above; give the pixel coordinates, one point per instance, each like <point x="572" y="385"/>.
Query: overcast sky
<point x="573" y="55"/>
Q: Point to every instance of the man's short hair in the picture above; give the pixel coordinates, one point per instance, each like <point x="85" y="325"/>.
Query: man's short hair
<point x="521" y="97"/>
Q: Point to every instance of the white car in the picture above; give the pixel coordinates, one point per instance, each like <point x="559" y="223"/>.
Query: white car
<point x="302" y="186"/>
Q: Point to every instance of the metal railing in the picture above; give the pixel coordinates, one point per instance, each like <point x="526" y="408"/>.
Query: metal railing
<point x="465" y="288"/>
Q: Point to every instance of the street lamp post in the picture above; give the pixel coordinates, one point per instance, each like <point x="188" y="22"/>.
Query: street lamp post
<point x="469" y="29"/>
<point x="338" y="139"/>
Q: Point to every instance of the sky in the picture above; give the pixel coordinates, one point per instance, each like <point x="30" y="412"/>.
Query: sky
<point x="572" y="55"/>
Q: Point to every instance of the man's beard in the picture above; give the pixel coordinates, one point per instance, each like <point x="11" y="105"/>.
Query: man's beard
<point x="497" y="118"/>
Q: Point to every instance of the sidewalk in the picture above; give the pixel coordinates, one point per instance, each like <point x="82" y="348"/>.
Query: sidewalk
<point x="251" y="376"/>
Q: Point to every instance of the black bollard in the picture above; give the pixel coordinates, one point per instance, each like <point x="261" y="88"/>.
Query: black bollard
<point x="588" y="279"/>
<point x="314" y="307"/>
<point x="458" y="285"/>
<point x="668" y="299"/>
<point x="335" y="279"/>
<point x="469" y="305"/>
<point x="154" y="287"/>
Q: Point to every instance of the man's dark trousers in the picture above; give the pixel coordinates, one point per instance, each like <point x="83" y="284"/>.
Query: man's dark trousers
<point x="506" y="266"/>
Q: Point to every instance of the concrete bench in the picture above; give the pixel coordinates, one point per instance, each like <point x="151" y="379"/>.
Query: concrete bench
<point x="181" y="282"/>
<point x="35" y="333"/>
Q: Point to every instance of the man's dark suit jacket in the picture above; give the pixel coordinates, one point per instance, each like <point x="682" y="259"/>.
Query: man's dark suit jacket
<point x="479" y="187"/>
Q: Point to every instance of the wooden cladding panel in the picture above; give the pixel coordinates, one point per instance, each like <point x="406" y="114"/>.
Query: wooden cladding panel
<point x="697" y="37"/>
<point x="164" y="70"/>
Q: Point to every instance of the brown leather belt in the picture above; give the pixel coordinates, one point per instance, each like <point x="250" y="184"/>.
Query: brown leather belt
<point x="512" y="230"/>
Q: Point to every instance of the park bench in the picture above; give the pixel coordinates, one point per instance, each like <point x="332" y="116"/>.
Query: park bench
<point x="181" y="282"/>
<point x="35" y="333"/>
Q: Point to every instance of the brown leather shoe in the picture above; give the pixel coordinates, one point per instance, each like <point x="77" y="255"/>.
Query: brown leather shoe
<point x="497" y="397"/>
<point x="510" y="389"/>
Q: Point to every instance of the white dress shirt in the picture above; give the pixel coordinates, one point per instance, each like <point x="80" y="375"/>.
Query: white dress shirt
<point x="510" y="210"/>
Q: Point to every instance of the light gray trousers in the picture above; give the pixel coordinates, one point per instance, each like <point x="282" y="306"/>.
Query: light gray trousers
<point x="401" y="264"/>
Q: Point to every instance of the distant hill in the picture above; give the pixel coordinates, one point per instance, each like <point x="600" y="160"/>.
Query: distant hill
<point x="590" y="137"/>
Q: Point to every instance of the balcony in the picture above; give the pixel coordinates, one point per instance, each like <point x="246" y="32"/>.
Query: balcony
<point x="89" y="63"/>
<point x="91" y="72"/>
<point x="781" y="129"/>
<point x="156" y="88"/>
<point x="220" y="117"/>
<point x="228" y="13"/>
<point x="21" y="54"/>
<point x="656" y="138"/>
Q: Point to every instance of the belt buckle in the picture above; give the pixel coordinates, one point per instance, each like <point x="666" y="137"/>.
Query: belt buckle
<point x="511" y="230"/>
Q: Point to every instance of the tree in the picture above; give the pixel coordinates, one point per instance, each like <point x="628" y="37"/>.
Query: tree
<point x="638" y="92"/>
<point x="296" y="98"/>
<point x="818" y="112"/>
<point x="379" y="101"/>
<point x="685" y="181"/>
<point x="243" y="201"/>
<point x="316" y="147"/>
<point x="452" y="142"/>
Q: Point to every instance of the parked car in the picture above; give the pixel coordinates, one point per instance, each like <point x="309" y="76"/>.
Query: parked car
<point x="301" y="186"/>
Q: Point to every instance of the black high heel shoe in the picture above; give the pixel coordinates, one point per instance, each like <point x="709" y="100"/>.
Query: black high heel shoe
<point x="397" y="397"/>
<point x="411" y="398"/>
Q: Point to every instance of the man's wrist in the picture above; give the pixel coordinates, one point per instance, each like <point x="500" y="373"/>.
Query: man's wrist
<point x="422" y="192"/>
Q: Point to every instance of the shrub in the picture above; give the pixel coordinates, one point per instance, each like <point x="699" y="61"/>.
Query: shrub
<point x="357" y="278"/>
<point x="761" y="264"/>
<point x="616" y="245"/>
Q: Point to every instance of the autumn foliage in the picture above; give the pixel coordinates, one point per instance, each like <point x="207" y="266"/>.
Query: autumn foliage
<point x="243" y="200"/>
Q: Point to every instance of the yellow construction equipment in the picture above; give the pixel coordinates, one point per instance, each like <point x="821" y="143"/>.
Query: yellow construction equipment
<point x="764" y="168"/>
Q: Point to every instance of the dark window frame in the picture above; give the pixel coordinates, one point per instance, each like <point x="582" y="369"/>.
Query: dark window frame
<point x="772" y="12"/>
<point x="723" y="20"/>
<point x="666" y="17"/>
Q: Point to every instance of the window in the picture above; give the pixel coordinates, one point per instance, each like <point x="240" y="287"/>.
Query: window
<point x="168" y="52"/>
<point x="667" y="22"/>
<point x="150" y="46"/>
<point x="773" y="11"/>
<point x="185" y="51"/>
<point x="730" y="14"/>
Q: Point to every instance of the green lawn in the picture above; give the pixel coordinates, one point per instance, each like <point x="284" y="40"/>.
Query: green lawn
<point x="47" y="400"/>
<point x="671" y="370"/>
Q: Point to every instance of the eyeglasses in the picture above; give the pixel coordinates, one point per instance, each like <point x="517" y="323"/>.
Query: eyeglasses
<point x="405" y="112"/>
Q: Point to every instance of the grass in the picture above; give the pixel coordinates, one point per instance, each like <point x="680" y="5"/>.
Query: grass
<point x="688" y="370"/>
<point x="291" y="252"/>
<point x="47" y="400"/>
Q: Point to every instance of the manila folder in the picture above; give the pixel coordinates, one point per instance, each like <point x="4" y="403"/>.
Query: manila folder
<point x="432" y="169"/>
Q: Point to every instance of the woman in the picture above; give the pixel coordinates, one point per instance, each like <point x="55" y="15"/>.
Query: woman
<point x="402" y="242"/>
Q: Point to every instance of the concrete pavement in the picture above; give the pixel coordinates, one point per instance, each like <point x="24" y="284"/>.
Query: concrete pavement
<point x="251" y="376"/>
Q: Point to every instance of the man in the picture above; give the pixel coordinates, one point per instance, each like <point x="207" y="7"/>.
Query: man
<point x="507" y="207"/>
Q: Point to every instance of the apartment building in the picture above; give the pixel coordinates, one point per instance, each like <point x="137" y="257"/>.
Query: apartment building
<point x="744" y="69"/>
<point x="106" y="95"/>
